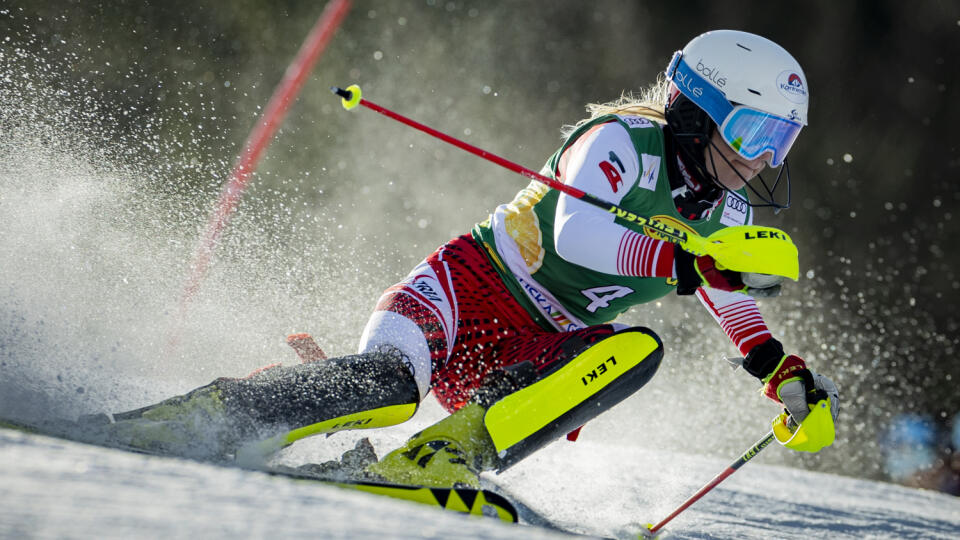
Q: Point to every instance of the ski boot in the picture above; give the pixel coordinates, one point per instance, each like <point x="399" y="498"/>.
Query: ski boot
<point x="195" y="425"/>
<point x="277" y="405"/>
<point x="450" y="453"/>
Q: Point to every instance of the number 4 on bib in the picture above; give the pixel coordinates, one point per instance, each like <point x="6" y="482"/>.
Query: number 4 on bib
<point x="600" y="297"/>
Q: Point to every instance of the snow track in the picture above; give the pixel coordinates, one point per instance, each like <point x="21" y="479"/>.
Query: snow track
<point x="55" y="488"/>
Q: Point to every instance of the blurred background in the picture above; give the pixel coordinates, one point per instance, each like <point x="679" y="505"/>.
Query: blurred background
<point x="120" y="121"/>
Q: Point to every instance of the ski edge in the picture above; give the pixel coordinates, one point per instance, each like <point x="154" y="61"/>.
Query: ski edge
<point x="466" y="500"/>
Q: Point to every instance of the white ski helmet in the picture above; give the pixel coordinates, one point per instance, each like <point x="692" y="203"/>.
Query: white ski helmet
<point x="752" y="88"/>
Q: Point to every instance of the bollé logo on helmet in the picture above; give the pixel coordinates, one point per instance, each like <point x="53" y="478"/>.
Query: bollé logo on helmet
<point x="791" y="87"/>
<point x="712" y="74"/>
<point x="683" y="80"/>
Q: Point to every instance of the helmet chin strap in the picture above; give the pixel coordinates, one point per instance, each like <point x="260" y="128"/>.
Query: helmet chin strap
<point x="692" y="128"/>
<point x="767" y="200"/>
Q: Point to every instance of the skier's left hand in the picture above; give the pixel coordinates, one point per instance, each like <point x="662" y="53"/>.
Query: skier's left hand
<point x="787" y="380"/>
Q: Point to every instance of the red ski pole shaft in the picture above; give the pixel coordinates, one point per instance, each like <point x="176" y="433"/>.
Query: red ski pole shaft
<point x="259" y="138"/>
<point x="671" y="234"/>
<point x="740" y="462"/>
<point x="489" y="156"/>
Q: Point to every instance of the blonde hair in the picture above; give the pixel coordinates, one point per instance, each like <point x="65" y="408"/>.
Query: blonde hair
<point x="650" y="104"/>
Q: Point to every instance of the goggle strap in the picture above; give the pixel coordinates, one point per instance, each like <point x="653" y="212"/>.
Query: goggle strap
<point x="701" y="92"/>
<point x="672" y="66"/>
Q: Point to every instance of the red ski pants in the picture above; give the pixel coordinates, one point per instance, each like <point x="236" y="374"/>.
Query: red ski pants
<point x="472" y="323"/>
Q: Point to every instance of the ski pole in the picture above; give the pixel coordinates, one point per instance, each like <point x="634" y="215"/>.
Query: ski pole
<point x="352" y="97"/>
<point x="740" y="462"/>
<point x="727" y="246"/>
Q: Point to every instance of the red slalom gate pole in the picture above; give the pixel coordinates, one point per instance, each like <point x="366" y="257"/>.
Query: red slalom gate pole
<point x="285" y="93"/>
<point x="740" y="462"/>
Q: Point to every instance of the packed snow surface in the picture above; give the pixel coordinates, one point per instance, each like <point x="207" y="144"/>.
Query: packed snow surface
<point x="53" y="488"/>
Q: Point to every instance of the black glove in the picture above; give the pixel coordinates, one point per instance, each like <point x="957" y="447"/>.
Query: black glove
<point x="694" y="272"/>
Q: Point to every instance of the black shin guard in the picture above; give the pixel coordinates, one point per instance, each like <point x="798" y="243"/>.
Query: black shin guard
<point x="287" y="403"/>
<point x="292" y="397"/>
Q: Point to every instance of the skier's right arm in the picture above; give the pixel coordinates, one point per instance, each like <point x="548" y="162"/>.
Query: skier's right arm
<point x="604" y="163"/>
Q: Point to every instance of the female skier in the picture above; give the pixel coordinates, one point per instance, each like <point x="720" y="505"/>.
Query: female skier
<point x="508" y="325"/>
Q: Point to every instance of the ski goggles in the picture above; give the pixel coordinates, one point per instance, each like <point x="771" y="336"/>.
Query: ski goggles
<point x="750" y="132"/>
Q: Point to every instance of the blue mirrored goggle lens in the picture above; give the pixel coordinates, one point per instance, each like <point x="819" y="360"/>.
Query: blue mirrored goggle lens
<point x="752" y="133"/>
